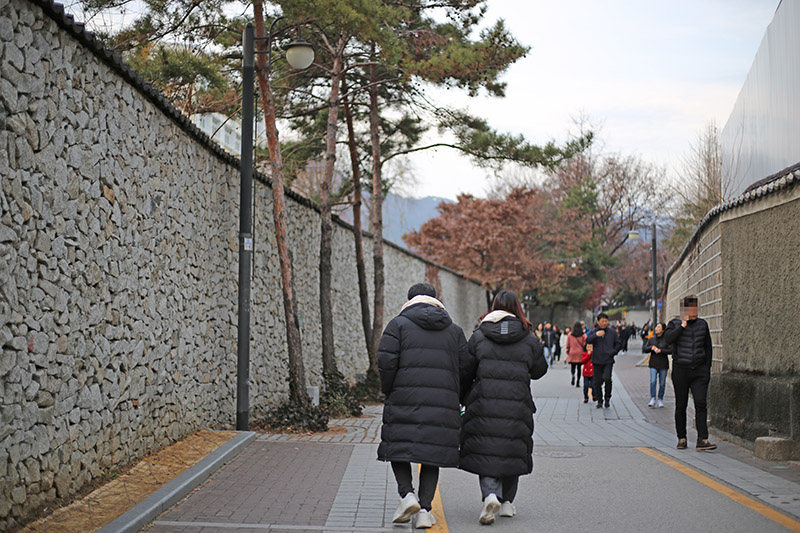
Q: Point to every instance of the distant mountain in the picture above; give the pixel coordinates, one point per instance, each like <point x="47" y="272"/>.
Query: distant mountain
<point x="400" y="215"/>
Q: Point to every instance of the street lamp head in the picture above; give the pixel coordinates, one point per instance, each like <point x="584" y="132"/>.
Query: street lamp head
<point x="300" y="54"/>
<point x="633" y="235"/>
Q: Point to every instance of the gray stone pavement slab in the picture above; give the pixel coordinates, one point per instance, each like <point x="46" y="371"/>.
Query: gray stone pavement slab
<point x="602" y="489"/>
<point x="564" y="420"/>
<point x="588" y="474"/>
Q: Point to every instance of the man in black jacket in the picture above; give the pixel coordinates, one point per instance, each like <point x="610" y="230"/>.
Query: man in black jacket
<point x="420" y="359"/>
<point x="606" y="345"/>
<point x="691" y="370"/>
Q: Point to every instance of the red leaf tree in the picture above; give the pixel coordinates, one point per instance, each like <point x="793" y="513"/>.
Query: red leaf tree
<point x="522" y="242"/>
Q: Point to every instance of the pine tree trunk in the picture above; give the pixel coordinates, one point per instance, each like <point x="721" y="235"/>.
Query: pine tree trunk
<point x="376" y="205"/>
<point x="363" y="293"/>
<point x="329" y="370"/>
<point x="297" y="377"/>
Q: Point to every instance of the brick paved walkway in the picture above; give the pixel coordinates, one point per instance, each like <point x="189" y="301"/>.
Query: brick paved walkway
<point x="271" y="484"/>
<point x="294" y="483"/>
<point x="333" y="482"/>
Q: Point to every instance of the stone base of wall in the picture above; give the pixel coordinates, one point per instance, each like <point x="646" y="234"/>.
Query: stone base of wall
<point x="749" y="406"/>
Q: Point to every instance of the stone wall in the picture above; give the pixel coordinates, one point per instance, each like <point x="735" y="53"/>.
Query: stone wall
<point x="699" y="272"/>
<point x="743" y="263"/>
<point x="757" y="393"/>
<point x="119" y="268"/>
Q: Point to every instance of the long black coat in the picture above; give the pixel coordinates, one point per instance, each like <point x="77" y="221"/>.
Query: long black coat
<point x="419" y="358"/>
<point x="497" y="432"/>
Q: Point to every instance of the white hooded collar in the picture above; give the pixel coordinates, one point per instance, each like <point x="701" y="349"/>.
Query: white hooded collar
<point x="497" y="316"/>
<point x="422" y="299"/>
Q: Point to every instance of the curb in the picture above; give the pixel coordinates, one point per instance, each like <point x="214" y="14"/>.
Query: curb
<point x="152" y="506"/>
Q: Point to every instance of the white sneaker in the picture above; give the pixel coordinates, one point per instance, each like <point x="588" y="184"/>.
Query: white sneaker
<point x="409" y="506"/>
<point x="425" y="519"/>
<point x="652" y="402"/>
<point x="507" y="509"/>
<point x="490" y="507"/>
<point x="660" y="404"/>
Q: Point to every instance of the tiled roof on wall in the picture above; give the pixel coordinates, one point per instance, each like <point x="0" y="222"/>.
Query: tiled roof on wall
<point x="785" y="179"/>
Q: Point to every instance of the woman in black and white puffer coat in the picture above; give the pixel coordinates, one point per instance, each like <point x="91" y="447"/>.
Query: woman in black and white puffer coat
<point x="497" y="430"/>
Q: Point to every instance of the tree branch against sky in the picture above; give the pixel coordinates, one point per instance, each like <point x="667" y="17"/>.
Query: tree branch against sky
<point x="698" y="188"/>
<point x="652" y="111"/>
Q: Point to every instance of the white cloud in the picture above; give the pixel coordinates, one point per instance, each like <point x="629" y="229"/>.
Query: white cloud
<point x="652" y="73"/>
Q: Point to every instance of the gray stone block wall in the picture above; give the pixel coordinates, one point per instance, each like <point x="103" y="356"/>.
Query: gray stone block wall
<point x="761" y="285"/>
<point x="742" y="264"/>
<point x="119" y="268"/>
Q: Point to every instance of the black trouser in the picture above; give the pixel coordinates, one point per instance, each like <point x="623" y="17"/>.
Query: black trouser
<point x="695" y="379"/>
<point x="428" y="478"/>
<point x="573" y="367"/>
<point x="505" y="488"/>
<point x="602" y="376"/>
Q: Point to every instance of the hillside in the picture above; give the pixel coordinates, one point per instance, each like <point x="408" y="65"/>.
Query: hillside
<point x="400" y="215"/>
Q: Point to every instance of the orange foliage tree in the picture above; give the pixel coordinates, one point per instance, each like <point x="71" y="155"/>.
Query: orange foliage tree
<point x="522" y="242"/>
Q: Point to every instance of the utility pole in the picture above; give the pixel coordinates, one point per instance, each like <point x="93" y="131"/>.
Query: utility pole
<point x="245" y="231"/>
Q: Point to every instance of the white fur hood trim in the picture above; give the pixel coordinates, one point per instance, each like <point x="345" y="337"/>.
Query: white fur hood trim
<point x="496" y="316"/>
<point x="423" y="299"/>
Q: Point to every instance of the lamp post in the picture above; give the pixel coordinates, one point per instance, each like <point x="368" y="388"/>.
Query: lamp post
<point x="634" y="235"/>
<point x="299" y="54"/>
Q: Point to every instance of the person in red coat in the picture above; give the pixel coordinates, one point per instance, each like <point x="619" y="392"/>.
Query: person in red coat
<point x="576" y="345"/>
<point x="588" y="374"/>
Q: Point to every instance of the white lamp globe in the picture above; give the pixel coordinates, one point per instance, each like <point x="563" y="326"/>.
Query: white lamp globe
<point x="300" y="54"/>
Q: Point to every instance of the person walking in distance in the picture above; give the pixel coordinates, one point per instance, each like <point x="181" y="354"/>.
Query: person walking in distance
<point x="624" y="335"/>
<point x="691" y="370"/>
<point x="557" y="344"/>
<point x="420" y="357"/>
<point x="659" y="350"/>
<point x="562" y="342"/>
<point x="576" y="345"/>
<point x="606" y="345"/>
<point x="497" y="432"/>
<point x="549" y="342"/>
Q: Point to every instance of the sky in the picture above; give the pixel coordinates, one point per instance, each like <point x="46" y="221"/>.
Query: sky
<point x="648" y="75"/>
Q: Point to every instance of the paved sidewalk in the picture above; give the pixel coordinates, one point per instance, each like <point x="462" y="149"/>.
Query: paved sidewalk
<point x="292" y="483"/>
<point x="269" y="483"/>
<point x="637" y="383"/>
<point x="333" y="482"/>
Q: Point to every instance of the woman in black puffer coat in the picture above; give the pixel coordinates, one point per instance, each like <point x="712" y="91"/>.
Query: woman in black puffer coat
<point x="659" y="350"/>
<point x="497" y="431"/>
<point x="420" y="359"/>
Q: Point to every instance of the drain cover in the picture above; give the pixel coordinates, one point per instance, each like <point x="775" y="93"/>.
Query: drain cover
<point x="560" y="455"/>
